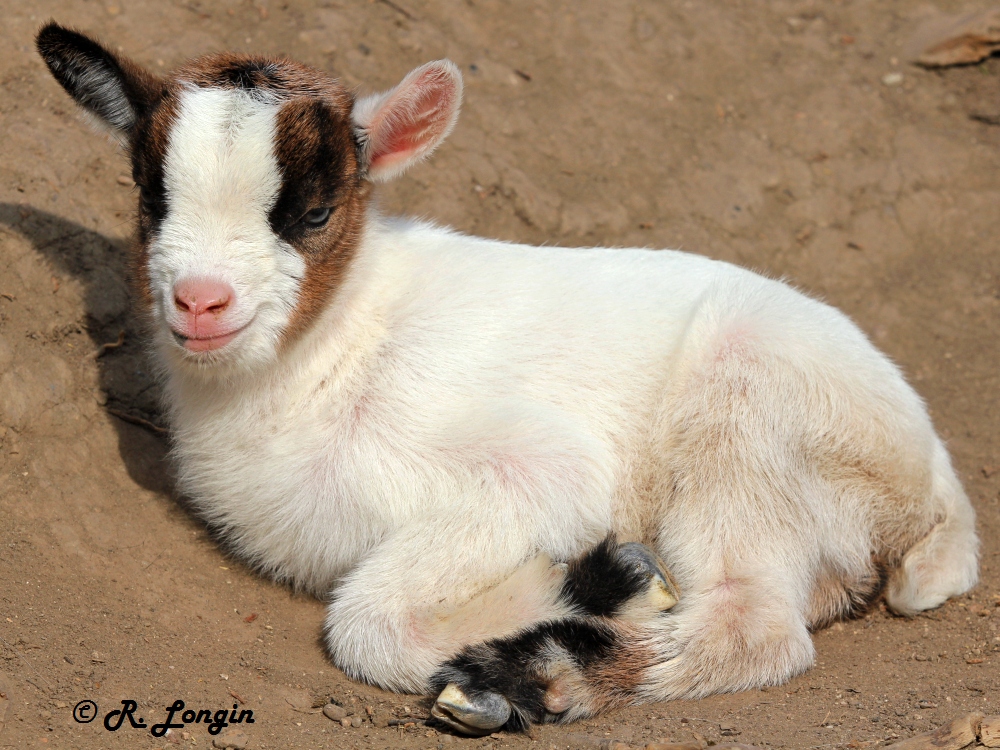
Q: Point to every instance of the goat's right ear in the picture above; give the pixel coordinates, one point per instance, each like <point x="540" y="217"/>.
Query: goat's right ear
<point x="113" y="89"/>
<point x="405" y="124"/>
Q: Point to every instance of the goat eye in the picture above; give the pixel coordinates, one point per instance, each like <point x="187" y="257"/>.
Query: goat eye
<point x="146" y="198"/>
<point x="316" y="218"/>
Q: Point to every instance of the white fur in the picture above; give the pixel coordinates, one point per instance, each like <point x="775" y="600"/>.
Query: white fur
<point x="222" y="179"/>
<point x="463" y="406"/>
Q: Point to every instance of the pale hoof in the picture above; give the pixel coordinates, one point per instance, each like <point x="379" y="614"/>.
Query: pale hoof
<point x="662" y="593"/>
<point x="474" y="716"/>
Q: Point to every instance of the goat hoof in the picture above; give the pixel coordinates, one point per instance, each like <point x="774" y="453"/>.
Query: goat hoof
<point x="476" y="716"/>
<point x="662" y="593"/>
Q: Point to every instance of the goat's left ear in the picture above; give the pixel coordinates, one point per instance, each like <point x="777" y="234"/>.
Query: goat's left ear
<point x="112" y="88"/>
<point x="404" y="125"/>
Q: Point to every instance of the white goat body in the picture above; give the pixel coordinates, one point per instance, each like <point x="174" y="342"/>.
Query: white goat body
<point x="461" y="439"/>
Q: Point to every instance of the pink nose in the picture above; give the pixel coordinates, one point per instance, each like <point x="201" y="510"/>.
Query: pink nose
<point x="196" y="297"/>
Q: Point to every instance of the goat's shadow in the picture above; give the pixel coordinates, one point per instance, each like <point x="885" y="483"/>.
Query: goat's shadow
<point x="100" y="264"/>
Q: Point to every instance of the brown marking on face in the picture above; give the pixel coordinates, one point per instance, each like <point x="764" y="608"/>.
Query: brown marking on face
<point x="148" y="148"/>
<point x="317" y="154"/>
<point x="316" y="151"/>
<point x="275" y="76"/>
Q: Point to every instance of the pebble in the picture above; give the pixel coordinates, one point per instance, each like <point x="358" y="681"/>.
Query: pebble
<point x="233" y="738"/>
<point x="727" y="730"/>
<point x="356" y="722"/>
<point x="989" y="731"/>
<point x="125" y="180"/>
<point x="892" y="79"/>
<point x="334" y="712"/>
<point x="345" y="722"/>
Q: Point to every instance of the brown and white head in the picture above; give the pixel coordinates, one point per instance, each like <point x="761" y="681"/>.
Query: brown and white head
<point x="254" y="177"/>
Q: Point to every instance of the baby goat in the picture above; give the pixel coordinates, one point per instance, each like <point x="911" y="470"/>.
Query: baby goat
<point x="488" y="455"/>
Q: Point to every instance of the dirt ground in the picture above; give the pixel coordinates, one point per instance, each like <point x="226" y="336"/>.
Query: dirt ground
<point x="792" y="137"/>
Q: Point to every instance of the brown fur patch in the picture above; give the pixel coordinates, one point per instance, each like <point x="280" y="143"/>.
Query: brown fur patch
<point x="613" y="682"/>
<point x="148" y="149"/>
<point x="316" y="151"/>
<point x="275" y="76"/>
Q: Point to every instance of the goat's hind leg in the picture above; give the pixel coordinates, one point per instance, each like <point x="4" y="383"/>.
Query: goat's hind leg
<point x="945" y="562"/>
<point x="568" y="668"/>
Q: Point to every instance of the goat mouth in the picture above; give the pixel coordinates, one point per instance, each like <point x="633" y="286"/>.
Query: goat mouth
<point x="207" y="343"/>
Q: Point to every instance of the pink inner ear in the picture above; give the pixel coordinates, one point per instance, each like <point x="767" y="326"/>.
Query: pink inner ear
<point x="412" y="120"/>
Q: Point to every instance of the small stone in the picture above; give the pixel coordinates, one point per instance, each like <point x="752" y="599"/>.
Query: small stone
<point x="334" y="712"/>
<point x="892" y="79"/>
<point x="926" y="704"/>
<point x="952" y="736"/>
<point x="233" y="738"/>
<point x="356" y="721"/>
<point x="728" y="731"/>
<point x="989" y="731"/>
<point x="125" y="180"/>
<point x="345" y="722"/>
<point x="300" y="700"/>
<point x="959" y="40"/>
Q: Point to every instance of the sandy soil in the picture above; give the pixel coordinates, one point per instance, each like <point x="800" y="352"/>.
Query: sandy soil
<point x="762" y="133"/>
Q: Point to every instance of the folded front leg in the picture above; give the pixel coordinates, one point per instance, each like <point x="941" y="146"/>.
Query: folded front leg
<point x="436" y="586"/>
<point x="564" y="669"/>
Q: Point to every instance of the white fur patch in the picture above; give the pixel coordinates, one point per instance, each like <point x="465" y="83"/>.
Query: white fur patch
<point x="222" y="179"/>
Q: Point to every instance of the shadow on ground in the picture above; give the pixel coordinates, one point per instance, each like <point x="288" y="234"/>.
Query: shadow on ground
<point x="101" y="265"/>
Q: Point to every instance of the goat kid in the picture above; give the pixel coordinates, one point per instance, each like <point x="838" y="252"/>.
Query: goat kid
<point x="487" y="455"/>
